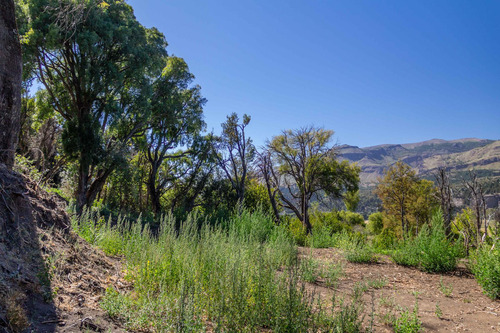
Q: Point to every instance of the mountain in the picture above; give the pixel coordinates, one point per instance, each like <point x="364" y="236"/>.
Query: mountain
<point x="458" y="156"/>
<point x="426" y="157"/>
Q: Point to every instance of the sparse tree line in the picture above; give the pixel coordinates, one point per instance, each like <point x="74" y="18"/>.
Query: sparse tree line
<point x="116" y="122"/>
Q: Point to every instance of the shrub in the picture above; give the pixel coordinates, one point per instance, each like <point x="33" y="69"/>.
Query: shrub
<point x="375" y="223"/>
<point x="321" y="238"/>
<point x="297" y="231"/>
<point x="430" y="251"/>
<point x="485" y="264"/>
<point x="386" y="240"/>
<point x="187" y="272"/>
<point x="351" y="218"/>
<point x="361" y="253"/>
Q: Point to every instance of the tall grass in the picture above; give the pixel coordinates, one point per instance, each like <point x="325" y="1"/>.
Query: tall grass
<point x="241" y="275"/>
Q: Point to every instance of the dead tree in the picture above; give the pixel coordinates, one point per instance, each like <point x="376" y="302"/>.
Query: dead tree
<point x="264" y="166"/>
<point x="446" y="198"/>
<point x="478" y="204"/>
<point x="10" y="82"/>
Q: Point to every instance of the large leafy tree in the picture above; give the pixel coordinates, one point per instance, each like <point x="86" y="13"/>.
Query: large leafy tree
<point x="176" y="121"/>
<point x="10" y="82"/>
<point x="96" y="63"/>
<point x="304" y="164"/>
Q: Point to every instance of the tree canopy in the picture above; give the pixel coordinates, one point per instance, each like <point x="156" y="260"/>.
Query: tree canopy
<point x="304" y="163"/>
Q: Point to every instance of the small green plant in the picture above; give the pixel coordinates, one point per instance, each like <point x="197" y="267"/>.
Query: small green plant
<point x="361" y="254"/>
<point x="386" y="302"/>
<point x="332" y="274"/>
<point x="407" y="321"/>
<point x="438" y="311"/>
<point x="309" y="269"/>
<point x="485" y="264"/>
<point x="377" y="283"/>
<point x="446" y="289"/>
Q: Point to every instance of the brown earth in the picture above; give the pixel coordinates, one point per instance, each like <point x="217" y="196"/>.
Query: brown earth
<point x="466" y="309"/>
<point x="50" y="279"/>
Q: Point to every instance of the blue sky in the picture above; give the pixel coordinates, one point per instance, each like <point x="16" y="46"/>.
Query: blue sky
<point x="373" y="71"/>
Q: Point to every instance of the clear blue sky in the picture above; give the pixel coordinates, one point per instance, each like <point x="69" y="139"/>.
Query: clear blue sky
<point x="373" y="71"/>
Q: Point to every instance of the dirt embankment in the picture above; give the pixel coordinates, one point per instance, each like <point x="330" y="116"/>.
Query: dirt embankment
<point x="50" y="279"/>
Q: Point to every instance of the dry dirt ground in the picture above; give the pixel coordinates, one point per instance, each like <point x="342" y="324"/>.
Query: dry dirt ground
<point x="466" y="309"/>
<point x="50" y="279"/>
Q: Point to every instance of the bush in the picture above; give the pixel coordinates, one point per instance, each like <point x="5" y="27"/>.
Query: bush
<point x="430" y="251"/>
<point x="375" y="223"/>
<point x="297" y="231"/>
<point x="485" y="264"/>
<point x="351" y="218"/>
<point x="321" y="238"/>
<point x="386" y="240"/>
<point x="360" y="252"/>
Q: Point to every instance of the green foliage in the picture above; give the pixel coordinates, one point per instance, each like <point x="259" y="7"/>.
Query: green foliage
<point x="192" y="272"/>
<point x="407" y="200"/>
<point x="361" y="253"/>
<point x="308" y="161"/>
<point x="485" y="264"/>
<point x="446" y="289"/>
<point x="332" y="273"/>
<point x="386" y="240"/>
<point x="351" y="218"/>
<point x="297" y="231"/>
<point x="375" y="223"/>
<point x="430" y="250"/>
<point x="309" y="269"/>
<point x="407" y="321"/>
<point x="256" y="196"/>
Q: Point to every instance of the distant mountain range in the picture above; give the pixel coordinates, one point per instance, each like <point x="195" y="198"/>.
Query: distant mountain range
<point x="426" y="157"/>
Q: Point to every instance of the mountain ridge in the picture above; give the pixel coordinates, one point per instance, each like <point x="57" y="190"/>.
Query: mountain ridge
<point x="426" y="157"/>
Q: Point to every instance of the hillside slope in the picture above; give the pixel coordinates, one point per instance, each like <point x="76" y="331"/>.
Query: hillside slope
<point x="456" y="155"/>
<point x="51" y="280"/>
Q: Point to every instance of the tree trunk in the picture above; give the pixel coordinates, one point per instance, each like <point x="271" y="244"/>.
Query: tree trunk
<point x="81" y="191"/>
<point x="153" y="191"/>
<point x="10" y="82"/>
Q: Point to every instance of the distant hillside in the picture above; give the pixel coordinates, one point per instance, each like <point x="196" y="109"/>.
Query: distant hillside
<point x="457" y="155"/>
<point x="426" y="157"/>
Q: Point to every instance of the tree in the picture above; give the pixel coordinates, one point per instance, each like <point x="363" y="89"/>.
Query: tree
<point x="351" y="200"/>
<point x="477" y="203"/>
<point x="445" y="197"/>
<point x="424" y="200"/>
<point x="176" y="120"/>
<point x="405" y="196"/>
<point x="264" y="168"/>
<point x="303" y="165"/>
<point x="236" y="152"/>
<point x="95" y="61"/>
<point x="10" y="82"/>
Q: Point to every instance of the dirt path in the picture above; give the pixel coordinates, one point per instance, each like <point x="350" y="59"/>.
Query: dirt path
<point x="464" y="309"/>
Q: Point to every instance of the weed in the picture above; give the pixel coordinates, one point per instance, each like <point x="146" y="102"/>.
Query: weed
<point x="485" y="264"/>
<point x="361" y="254"/>
<point x="431" y="250"/>
<point x="446" y="289"/>
<point x="438" y="311"/>
<point x="407" y="321"/>
<point x="192" y="272"/>
<point x="332" y="274"/>
<point x="377" y="283"/>
<point x="309" y="269"/>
